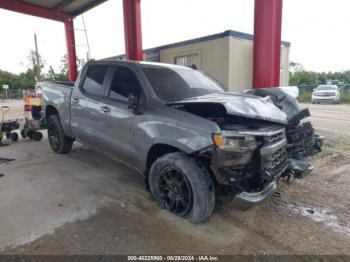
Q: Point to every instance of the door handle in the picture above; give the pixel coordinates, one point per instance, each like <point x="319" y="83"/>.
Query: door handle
<point x="105" y="109"/>
<point x="75" y="100"/>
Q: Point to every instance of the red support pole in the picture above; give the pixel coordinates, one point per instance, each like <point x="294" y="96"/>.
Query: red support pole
<point x="71" y="52"/>
<point x="267" y="43"/>
<point x="132" y="29"/>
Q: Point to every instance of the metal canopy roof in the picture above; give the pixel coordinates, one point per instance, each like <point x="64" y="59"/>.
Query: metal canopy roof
<point x="70" y="7"/>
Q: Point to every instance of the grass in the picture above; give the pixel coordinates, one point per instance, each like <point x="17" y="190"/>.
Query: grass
<point x="345" y="147"/>
<point x="345" y="96"/>
<point x="305" y="97"/>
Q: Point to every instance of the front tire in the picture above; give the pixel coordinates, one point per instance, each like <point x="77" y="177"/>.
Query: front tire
<point x="183" y="187"/>
<point x="59" y="142"/>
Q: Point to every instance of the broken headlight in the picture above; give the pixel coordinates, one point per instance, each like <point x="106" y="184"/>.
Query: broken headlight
<point x="236" y="143"/>
<point x="235" y="151"/>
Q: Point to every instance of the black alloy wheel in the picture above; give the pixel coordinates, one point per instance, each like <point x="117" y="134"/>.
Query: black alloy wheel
<point x="175" y="191"/>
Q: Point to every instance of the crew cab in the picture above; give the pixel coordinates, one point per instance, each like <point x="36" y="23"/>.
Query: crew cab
<point x="190" y="139"/>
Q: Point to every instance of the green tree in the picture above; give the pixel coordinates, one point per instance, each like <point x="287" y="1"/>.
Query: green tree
<point x="303" y="78"/>
<point x="64" y="64"/>
<point x="27" y="79"/>
<point x="33" y="64"/>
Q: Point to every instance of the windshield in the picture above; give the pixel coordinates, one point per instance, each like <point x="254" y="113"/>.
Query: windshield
<point x="325" y="88"/>
<point x="178" y="84"/>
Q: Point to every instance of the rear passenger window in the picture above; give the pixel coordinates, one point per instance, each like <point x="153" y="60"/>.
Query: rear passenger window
<point x="124" y="82"/>
<point x="95" y="76"/>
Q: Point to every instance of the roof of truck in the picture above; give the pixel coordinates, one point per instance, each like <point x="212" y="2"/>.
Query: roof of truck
<point x="150" y="64"/>
<point x="156" y="64"/>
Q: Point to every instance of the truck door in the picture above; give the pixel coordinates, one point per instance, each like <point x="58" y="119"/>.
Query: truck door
<point x="86" y="106"/>
<point x="118" y="118"/>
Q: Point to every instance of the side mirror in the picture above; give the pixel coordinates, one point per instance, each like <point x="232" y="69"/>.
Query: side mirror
<point x="132" y="101"/>
<point x="314" y="89"/>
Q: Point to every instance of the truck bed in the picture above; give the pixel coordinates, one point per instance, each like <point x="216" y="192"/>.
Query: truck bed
<point x="64" y="83"/>
<point x="58" y="95"/>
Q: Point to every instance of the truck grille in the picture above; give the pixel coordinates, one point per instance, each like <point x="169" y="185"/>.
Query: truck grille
<point x="325" y="94"/>
<point x="274" y="154"/>
<point x="278" y="159"/>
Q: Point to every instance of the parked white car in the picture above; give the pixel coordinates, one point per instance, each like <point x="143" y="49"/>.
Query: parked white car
<point x="326" y="93"/>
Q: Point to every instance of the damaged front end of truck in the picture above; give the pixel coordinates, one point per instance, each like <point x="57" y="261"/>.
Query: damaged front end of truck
<point x="264" y="137"/>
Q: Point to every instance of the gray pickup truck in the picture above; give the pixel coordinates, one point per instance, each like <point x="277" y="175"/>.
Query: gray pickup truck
<point x="191" y="140"/>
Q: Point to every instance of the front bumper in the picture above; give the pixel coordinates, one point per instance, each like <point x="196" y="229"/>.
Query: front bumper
<point x="300" y="167"/>
<point x="244" y="201"/>
<point x="315" y="99"/>
<point x="277" y="159"/>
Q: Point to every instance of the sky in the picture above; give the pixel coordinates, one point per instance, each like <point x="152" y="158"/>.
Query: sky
<point x="317" y="29"/>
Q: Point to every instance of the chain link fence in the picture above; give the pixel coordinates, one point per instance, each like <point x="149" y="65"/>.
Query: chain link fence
<point x="15" y="93"/>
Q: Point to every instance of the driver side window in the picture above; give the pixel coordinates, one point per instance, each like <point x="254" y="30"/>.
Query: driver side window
<point x="124" y="82"/>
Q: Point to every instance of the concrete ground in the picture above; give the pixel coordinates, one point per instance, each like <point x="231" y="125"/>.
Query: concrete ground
<point x="85" y="203"/>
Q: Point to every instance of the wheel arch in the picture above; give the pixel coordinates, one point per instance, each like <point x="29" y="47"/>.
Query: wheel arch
<point x="158" y="150"/>
<point x="63" y="117"/>
<point x="51" y="110"/>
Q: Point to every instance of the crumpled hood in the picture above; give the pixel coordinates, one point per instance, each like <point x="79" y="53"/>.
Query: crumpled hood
<point x="243" y="105"/>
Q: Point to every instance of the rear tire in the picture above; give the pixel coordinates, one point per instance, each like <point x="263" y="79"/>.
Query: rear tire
<point x="183" y="187"/>
<point x="59" y="142"/>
